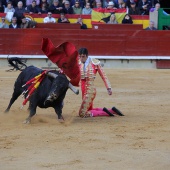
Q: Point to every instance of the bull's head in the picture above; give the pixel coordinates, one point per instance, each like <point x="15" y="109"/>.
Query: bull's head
<point x="59" y="86"/>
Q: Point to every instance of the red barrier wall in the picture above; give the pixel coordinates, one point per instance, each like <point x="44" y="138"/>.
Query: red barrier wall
<point x="163" y="64"/>
<point x="58" y="25"/>
<point x="127" y="27"/>
<point x="113" y="42"/>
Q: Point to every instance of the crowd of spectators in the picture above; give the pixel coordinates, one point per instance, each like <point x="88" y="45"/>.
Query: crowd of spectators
<point x="74" y="6"/>
<point x="15" y="9"/>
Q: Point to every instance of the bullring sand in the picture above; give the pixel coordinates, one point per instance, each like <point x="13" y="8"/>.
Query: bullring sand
<point x="139" y="140"/>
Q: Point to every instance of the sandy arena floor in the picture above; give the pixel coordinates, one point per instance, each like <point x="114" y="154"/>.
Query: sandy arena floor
<point x="139" y="140"/>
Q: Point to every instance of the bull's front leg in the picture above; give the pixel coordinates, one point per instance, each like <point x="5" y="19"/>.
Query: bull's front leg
<point x="58" y="110"/>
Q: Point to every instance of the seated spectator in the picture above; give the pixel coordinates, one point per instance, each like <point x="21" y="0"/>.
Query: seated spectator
<point x="9" y="7"/>
<point x="98" y="5"/>
<point x="91" y="2"/>
<point x="67" y="9"/>
<point x="14" y="24"/>
<point x="63" y="2"/>
<point x="9" y="10"/>
<point x="19" y="12"/>
<point x="63" y="19"/>
<point x="3" y="24"/>
<point x="44" y="8"/>
<point x="76" y="8"/>
<point x="56" y="8"/>
<point x="121" y="4"/>
<point x="112" y="19"/>
<point x="153" y="14"/>
<point x="83" y="26"/>
<point x="49" y="18"/>
<point x="15" y="3"/>
<point x="43" y="2"/>
<point x="111" y="5"/>
<point x="29" y="2"/>
<point x="144" y="6"/>
<point x="81" y="2"/>
<point x="104" y="3"/>
<point x="127" y="19"/>
<point x="151" y="26"/>
<point x="157" y="6"/>
<point x="87" y="10"/>
<point x="33" y="8"/>
<point x="27" y="23"/>
<point x="133" y="10"/>
<point x="128" y="2"/>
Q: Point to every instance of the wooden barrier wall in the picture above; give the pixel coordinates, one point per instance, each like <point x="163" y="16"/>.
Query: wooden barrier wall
<point x="163" y="64"/>
<point x="58" y="26"/>
<point x="123" y="27"/>
<point x="112" y="42"/>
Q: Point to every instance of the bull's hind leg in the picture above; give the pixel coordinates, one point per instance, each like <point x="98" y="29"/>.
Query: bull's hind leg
<point x="15" y="95"/>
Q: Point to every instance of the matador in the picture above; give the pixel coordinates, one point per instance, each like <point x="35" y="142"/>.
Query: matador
<point x="88" y="69"/>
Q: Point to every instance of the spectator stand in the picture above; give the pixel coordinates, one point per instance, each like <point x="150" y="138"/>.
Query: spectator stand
<point x="137" y="19"/>
<point x="127" y="45"/>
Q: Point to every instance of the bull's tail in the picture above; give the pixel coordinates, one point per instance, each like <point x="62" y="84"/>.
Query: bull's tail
<point x="16" y="63"/>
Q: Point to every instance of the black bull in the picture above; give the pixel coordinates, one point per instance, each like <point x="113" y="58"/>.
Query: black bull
<point x="50" y="93"/>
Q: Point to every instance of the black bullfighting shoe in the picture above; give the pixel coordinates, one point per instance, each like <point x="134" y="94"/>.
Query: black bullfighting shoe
<point x="117" y="111"/>
<point x="105" y="110"/>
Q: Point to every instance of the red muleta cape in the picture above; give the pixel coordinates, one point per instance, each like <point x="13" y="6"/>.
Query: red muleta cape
<point x="65" y="56"/>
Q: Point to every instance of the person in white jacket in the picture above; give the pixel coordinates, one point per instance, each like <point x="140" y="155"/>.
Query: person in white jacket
<point x="9" y="8"/>
<point x="49" y="18"/>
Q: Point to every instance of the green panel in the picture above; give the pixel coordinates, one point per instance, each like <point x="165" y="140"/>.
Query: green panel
<point x="163" y="19"/>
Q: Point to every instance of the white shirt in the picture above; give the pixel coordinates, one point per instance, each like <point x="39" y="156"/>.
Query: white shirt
<point x="15" y="26"/>
<point x="49" y="20"/>
<point x="86" y="63"/>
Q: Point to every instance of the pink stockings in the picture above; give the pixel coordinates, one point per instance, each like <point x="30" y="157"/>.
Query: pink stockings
<point x="99" y="112"/>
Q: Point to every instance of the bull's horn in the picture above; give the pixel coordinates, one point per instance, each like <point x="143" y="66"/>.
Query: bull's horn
<point x="76" y="91"/>
<point x="53" y="75"/>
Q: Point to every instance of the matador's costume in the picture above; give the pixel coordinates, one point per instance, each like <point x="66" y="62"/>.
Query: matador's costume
<point x="88" y="73"/>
